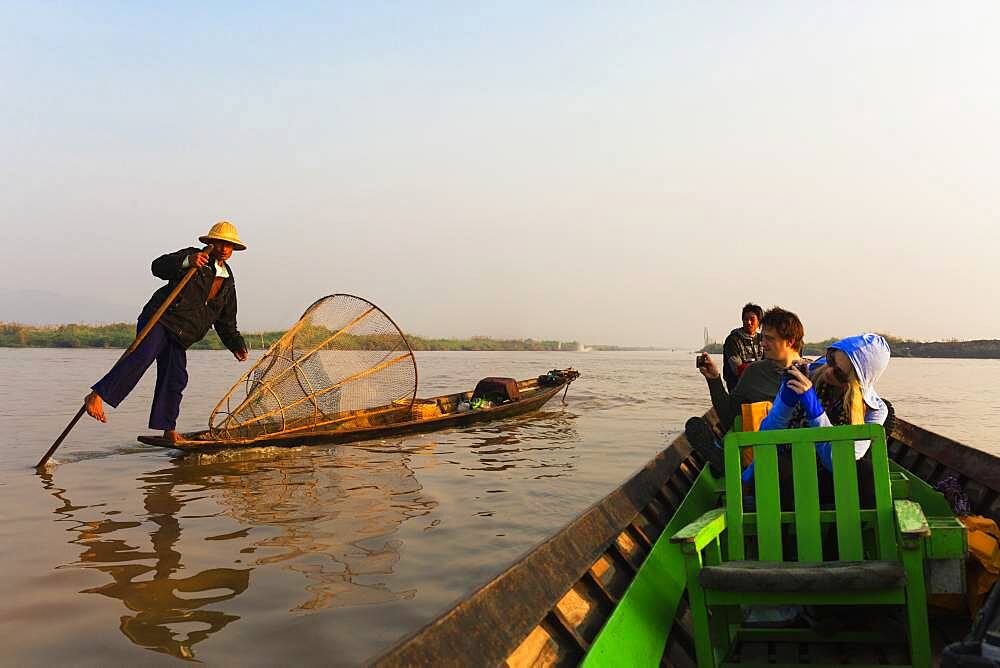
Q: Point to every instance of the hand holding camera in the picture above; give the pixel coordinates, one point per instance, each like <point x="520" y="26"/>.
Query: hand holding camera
<point x="706" y="366"/>
<point x="796" y="377"/>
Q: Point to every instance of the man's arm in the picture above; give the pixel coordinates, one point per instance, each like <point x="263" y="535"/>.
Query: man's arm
<point x="225" y="325"/>
<point x="170" y="267"/>
<point x="724" y="405"/>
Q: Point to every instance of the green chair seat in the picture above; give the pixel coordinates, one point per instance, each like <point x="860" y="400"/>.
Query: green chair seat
<point x="796" y="576"/>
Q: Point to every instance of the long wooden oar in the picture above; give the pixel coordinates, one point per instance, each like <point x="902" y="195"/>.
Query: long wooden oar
<point x="135" y="344"/>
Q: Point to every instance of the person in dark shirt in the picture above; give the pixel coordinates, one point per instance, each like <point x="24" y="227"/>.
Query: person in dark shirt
<point x="781" y="344"/>
<point x="208" y="300"/>
<point x="743" y="346"/>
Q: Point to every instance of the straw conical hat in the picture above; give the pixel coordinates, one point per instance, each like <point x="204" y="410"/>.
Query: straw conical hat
<point x="224" y="231"/>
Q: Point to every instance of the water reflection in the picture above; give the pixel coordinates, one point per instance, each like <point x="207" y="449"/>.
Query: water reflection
<point x="328" y="516"/>
<point x="336" y="512"/>
<point x="164" y="621"/>
<point x="544" y="441"/>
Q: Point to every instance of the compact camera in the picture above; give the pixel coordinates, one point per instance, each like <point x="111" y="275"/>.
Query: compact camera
<point x="803" y="369"/>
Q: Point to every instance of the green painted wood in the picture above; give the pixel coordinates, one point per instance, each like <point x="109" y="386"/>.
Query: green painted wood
<point x="885" y="531"/>
<point x="712" y="522"/>
<point x="910" y="519"/>
<point x="900" y="485"/>
<point x="637" y="630"/>
<point x="768" y="497"/>
<point x="698" y="606"/>
<point x="734" y="495"/>
<point x="825" y="517"/>
<point x="719" y="620"/>
<point x="713" y="639"/>
<point x="712" y="554"/>
<point x="808" y="536"/>
<point x="845" y="493"/>
<point x="931" y="500"/>
<point x="813" y="435"/>
<point x="916" y="602"/>
<point x="948" y="539"/>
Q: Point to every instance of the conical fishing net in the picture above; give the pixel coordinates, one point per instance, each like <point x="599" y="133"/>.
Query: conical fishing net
<point x="342" y="361"/>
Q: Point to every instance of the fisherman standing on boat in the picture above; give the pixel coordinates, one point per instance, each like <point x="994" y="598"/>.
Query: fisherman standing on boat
<point x="209" y="299"/>
<point x="743" y="346"/>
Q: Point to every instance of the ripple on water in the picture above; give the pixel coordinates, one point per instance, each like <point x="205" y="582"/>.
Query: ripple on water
<point x="265" y="555"/>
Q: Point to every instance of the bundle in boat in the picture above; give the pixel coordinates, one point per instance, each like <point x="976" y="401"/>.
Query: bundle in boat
<point x="343" y="364"/>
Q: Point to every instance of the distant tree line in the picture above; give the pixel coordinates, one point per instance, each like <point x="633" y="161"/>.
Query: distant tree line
<point x="120" y="335"/>
<point x="980" y="349"/>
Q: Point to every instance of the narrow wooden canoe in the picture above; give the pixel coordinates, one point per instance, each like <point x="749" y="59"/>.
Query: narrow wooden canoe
<point x="383" y="422"/>
<point x="593" y="577"/>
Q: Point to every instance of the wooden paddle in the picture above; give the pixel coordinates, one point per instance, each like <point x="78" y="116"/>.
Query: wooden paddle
<point x="135" y="344"/>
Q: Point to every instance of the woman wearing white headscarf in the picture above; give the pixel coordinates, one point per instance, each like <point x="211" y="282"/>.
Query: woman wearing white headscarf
<point x="839" y="389"/>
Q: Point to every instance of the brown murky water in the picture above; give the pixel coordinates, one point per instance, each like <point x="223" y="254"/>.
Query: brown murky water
<point x="125" y="554"/>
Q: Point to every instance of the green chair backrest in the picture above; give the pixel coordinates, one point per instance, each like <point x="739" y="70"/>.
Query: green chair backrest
<point x="808" y="518"/>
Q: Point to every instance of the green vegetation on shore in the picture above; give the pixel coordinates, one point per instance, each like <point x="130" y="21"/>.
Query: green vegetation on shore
<point x="120" y="335"/>
<point x="980" y="349"/>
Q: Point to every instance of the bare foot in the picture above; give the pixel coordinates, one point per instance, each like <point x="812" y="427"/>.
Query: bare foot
<point x="171" y="435"/>
<point x="95" y="406"/>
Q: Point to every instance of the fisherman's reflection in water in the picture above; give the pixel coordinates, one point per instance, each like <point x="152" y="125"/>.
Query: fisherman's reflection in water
<point x="330" y="513"/>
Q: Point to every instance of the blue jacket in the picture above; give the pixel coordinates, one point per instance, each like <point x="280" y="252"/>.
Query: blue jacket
<point x="869" y="355"/>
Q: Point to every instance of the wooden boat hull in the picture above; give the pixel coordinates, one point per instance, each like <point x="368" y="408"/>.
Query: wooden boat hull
<point x="533" y="397"/>
<point x="548" y="608"/>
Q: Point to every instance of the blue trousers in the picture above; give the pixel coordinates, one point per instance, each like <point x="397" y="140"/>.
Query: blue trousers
<point x="171" y="376"/>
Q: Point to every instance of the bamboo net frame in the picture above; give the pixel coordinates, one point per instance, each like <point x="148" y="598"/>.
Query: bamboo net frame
<point x="343" y="357"/>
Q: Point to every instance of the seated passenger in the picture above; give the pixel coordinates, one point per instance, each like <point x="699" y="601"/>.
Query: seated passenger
<point x="781" y="343"/>
<point x="839" y="389"/>
<point x="742" y="347"/>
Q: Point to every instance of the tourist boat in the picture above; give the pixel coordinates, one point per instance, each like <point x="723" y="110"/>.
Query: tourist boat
<point x="606" y="589"/>
<point x="398" y="419"/>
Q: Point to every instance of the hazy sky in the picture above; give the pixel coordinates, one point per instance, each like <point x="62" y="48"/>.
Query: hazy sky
<point x="612" y="173"/>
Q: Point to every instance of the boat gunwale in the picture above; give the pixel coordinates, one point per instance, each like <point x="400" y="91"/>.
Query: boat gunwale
<point x="543" y="575"/>
<point x="503" y="635"/>
<point x="971" y="463"/>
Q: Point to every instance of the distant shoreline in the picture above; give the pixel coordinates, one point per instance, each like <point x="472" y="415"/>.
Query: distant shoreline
<point x="978" y="349"/>
<point x="121" y="334"/>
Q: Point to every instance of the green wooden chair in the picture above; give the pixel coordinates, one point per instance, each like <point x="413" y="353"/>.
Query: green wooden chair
<point x="880" y="550"/>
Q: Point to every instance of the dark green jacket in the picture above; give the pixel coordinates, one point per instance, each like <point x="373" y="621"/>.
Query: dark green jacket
<point x="760" y="382"/>
<point x="191" y="314"/>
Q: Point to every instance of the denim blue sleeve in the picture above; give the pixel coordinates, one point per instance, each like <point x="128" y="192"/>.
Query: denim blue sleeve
<point x="782" y="410"/>
<point x="824" y="450"/>
<point x="788" y="395"/>
<point x="811" y="404"/>
<point x="747" y="474"/>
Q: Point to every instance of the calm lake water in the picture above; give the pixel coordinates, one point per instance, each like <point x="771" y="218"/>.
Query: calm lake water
<point x="127" y="554"/>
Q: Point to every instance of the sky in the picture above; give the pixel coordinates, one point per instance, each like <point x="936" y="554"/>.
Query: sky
<point x="624" y="173"/>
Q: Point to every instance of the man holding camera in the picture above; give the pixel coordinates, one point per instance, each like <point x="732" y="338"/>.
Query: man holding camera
<point x="781" y="344"/>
